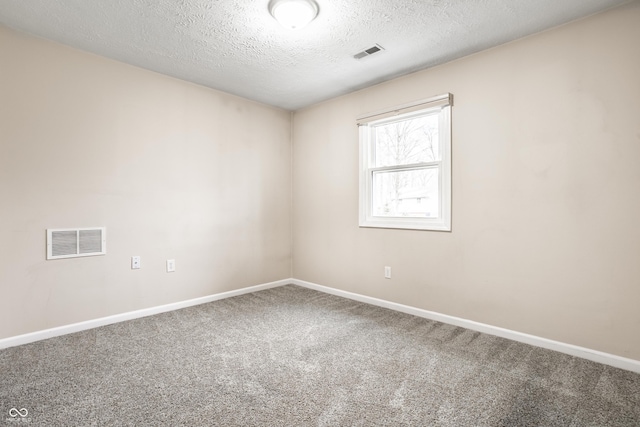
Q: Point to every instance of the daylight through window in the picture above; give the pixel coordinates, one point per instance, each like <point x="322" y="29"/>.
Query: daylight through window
<point x="405" y="166"/>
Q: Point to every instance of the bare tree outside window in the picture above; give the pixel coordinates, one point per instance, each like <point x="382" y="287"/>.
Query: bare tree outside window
<point x="410" y="192"/>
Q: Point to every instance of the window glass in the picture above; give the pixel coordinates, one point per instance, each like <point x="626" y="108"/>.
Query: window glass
<point x="412" y="193"/>
<point x="408" y="141"/>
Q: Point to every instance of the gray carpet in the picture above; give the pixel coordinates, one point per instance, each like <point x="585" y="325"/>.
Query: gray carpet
<point x="290" y="356"/>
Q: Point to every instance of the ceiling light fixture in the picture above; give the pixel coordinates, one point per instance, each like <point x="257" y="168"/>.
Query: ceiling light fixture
<point x="293" y="14"/>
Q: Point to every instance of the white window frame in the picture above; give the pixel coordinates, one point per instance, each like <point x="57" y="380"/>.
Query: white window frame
<point x="440" y="105"/>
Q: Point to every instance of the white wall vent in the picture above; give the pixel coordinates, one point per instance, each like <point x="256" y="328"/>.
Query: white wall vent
<point x="76" y="242"/>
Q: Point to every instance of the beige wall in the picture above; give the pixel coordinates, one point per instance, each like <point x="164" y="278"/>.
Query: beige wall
<point x="172" y="169"/>
<point x="546" y="190"/>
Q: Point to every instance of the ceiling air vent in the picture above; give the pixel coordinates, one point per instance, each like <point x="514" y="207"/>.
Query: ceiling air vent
<point x="368" y="52"/>
<point x="76" y="242"/>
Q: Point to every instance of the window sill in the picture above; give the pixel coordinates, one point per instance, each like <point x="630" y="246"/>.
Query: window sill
<point x="409" y="224"/>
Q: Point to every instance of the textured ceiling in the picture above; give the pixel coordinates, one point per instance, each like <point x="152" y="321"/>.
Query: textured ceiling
<point x="236" y="46"/>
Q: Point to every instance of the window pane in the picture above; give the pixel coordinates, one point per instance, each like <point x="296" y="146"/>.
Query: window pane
<point x="407" y="141"/>
<point x="412" y="193"/>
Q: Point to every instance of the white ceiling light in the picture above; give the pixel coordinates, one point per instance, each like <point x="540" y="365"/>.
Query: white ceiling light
<point x="293" y="14"/>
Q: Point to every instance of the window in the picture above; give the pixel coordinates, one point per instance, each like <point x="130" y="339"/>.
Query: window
<point x="405" y="166"/>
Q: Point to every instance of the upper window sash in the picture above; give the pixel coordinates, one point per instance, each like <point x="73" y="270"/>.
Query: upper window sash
<point x="418" y="157"/>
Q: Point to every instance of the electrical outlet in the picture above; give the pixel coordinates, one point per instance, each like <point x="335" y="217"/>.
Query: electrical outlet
<point x="387" y="272"/>
<point x="135" y="262"/>
<point x="171" y="265"/>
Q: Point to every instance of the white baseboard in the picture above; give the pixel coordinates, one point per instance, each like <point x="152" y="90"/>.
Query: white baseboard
<point x="89" y="324"/>
<point x="573" y="350"/>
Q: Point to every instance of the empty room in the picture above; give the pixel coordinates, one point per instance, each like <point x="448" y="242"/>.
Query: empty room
<point x="320" y="213"/>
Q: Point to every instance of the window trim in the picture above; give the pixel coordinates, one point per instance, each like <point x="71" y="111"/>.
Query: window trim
<point x="442" y="104"/>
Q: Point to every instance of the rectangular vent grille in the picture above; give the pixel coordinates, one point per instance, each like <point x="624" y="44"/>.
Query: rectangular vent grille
<point x="368" y="52"/>
<point x="76" y="242"/>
